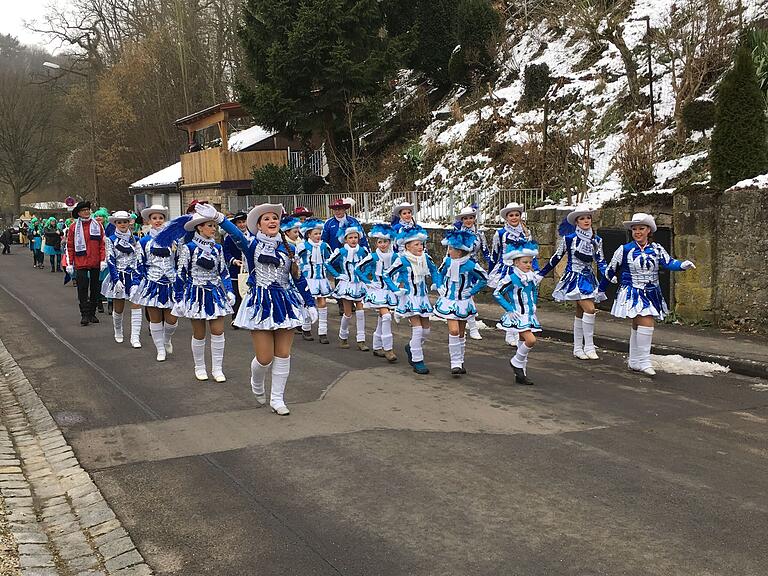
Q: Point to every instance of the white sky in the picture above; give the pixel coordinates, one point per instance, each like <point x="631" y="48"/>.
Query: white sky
<point x="13" y="15"/>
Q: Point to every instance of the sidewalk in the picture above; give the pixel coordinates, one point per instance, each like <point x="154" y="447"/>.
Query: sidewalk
<point x="745" y="354"/>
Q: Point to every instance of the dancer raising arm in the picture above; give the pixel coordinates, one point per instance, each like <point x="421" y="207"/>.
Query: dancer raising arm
<point x="407" y="277"/>
<point x="635" y="267"/>
<point x="582" y="246"/>
<point x="272" y="309"/>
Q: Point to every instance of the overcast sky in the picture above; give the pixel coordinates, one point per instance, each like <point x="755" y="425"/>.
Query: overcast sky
<point x="16" y="12"/>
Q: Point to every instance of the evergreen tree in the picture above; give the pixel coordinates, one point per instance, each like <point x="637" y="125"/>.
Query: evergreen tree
<point x="478" y="28"/>
<point x="315" y="66"/>
<point x="436" y="38"/>
<point x="739" y="148"/>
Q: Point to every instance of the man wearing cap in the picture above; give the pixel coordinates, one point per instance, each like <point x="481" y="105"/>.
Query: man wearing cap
<point x="302" y="213"/>
<point x="233" y="256"/>
<point x="340" y="219"/>
<point x="86" y="257"/>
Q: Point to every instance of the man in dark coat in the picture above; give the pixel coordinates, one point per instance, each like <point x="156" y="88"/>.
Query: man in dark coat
<point x="86" y="257"/>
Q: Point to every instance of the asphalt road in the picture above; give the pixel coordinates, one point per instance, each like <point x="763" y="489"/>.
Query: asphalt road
<point x="593" y="471"/>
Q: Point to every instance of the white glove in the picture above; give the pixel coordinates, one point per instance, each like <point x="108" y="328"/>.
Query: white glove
<point x="600" y="297"/>
<point x="119" y="287"/>
<point x="70" y="270"/>
<point x="433" y="287"/>
<point x="688" y="265"/>
<point x="207" y="211"/>
<point x="537" y="279"/>
<point x="313" y="316"/>
<point x="219" y="218"/>
<point x="102" y="266"/>
<point x="231" y="298"/>
<point x="402" y="292"/>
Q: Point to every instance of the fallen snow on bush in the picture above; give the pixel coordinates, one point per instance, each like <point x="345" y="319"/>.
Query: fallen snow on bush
<point x="676" y="364"/>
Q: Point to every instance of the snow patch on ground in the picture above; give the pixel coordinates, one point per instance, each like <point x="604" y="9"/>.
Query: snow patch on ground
<point x="758" y="182"/>
<point x="760" y="387"/>
<point x="676" y="364"/>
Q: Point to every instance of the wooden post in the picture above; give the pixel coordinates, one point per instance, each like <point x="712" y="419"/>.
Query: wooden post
<point x="223" y="133"/>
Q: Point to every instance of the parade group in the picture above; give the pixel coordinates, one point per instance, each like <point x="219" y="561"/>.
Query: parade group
<point x="274" y="274"/>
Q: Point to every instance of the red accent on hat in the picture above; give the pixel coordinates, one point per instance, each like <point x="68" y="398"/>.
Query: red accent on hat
<point x="339" y="203"/>
<point x="302" y="211"/>
<point x="191" y="207"/>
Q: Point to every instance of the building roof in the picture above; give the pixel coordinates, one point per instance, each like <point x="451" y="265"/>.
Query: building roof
<point x="244" y="139"/>
<point x="230" y="109"/>
<point x="168" y="176"/>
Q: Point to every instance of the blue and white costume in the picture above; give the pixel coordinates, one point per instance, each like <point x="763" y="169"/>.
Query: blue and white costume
<point x="121" y="249"/>
<point x="636" y="270"/>
<point x="407" y="277"/>
<point x="518" y="292"/>
<point x="332" y="228"/>
<point x="156" y="266"/>
<point x="271" y="303"/>
<point x="578" y="282"/>
<point x="203" y="288"/>
<point x="341" y="265"/>
<point x="506" y="239"/>
<point x="371" y="269"/>
<point x="312" y="259"/>
<point x="462" y="279"/>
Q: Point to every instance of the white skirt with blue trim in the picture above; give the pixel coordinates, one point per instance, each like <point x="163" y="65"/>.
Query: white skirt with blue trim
<point x="270" y="308"/>
<point x="206" y="302"/>
<point x="380" y="298"/>
<point x="520" y="322"/>
<point x="574" y="286"/>
<point x="153" y="294"/>
<point x="347" y="290"/>
<point x="410" y="305"/>
<point x="319" y="287"/>
<point x="631" y="302"/>
<point x="450" y="309"/>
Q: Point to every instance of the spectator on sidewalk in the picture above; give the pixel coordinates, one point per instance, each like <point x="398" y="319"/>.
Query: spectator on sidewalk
<point x="86" y="254"/>
<point x="5" y="240"/>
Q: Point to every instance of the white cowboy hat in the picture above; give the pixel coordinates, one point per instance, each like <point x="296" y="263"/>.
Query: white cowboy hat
<point x="120" y="215"/>
<point x="511" y="207"/>
<point x="400" y="207"/>
<point x="466" y="211"/>
<point x="641" y="218"/>
<point x="154" y="209"/>
<point x="580" y="210"/>
<point x="258" y="211"/>
<point x="203" y="213"/>
<point x="350" y="201"/>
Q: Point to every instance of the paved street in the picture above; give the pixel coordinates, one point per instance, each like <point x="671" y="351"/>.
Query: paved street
<point x="593" y="471"/>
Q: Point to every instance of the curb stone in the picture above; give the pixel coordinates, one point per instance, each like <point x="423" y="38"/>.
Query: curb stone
<point x="59" y="522"/>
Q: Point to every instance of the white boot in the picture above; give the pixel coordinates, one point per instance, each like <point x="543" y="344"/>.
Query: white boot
<point x="454" y="351"/>
<point x="137" y="315"/>
<point x="281" y="368"/>
<point x="217" y="357"/>
<point x="377" y="345"/>
<point x="168" y="331"/>
<point x="360" y="326"/>
<point x="258" y="375"/>
<point x="511" y="337"/>
<point x="156" y="329"/>
<point x="474" y="331"/>
<point x="644" y="340"/>
<point x="588" y="325"/>
<point x="117" y="322"/>
<point x="578" y="339"/>
<point x="198" y="355"/>
<point x="322" y="324"/>
<point x="386" y="332"/>
<point x="632" y="356"/>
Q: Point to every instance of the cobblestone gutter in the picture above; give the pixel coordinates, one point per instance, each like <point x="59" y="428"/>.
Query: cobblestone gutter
<point x="56" y="523"/>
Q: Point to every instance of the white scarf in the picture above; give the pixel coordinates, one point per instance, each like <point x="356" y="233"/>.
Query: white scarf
<point x="153" y="232"/>
<point x="204" y="244"/>
<point x="419" y="265"/>
<point x="94" y="231"/>
<point x="408" y="224"/>
<point x="351" y="252"/>
<point x="342" y="221"/>
<point x="585" y="244"/>
<point x="515" y="232"/>
<point x="317" y="252"/>
<point x="269" y="244"/>
<point x="525" y="277"/>
<point x="385" y="261"/>
<point x="455" y="267"/>
<point x="124" y="238"/>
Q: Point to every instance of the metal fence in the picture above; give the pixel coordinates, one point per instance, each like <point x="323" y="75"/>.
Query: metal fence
<point x="432" y="206"/>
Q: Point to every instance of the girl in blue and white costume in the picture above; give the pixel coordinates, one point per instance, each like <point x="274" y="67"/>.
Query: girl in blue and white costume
<point x="121" y="248"/>
<point x="403" y="218"/>
<point x="272" y="309"/>
<point x="467" y="222"/>
<point x="462" y="278"/>
<point x="290" y="228"/>
<point x="349" y="289"/>
<point x="156" y="266"/>
<point x="513" y="235"/>
<point x="407" y="277"/>
<point x="583" y="247"/>
<point x="370" y="271"/>
<point x="517" y="294"/>
<point x="313" y="253"/>
<point x="203" y="289"/>
<point x="635" y="267"/>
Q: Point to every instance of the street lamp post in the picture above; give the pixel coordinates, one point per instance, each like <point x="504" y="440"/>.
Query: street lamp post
<point x="91" y="124"/>
<point x="647" y="20"/>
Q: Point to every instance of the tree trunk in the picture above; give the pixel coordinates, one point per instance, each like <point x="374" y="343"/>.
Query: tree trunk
<point x="615" y="35"/>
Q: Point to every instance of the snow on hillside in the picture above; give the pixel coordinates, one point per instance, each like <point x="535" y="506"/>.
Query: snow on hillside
<point x="596" y="88"/>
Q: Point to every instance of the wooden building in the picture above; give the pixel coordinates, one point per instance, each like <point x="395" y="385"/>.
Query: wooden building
<point x="223" y="168"/>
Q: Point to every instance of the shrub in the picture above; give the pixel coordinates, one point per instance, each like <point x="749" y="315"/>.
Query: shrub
<point x="636" y="158"/>
<point x="536" y="82"/>
<point x="699" y="115"/>
<point x="273" y="179"/>
<point x="739" y="148"/>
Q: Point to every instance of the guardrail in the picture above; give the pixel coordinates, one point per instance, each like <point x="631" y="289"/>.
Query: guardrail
<point x="432" y="206"/>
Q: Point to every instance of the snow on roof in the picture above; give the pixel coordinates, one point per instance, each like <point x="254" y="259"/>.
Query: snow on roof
<point x="165" y="177"/>
<point x="47" y="205"/>
<point x="758" y="182"/>
<point x="248" y="137"/>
